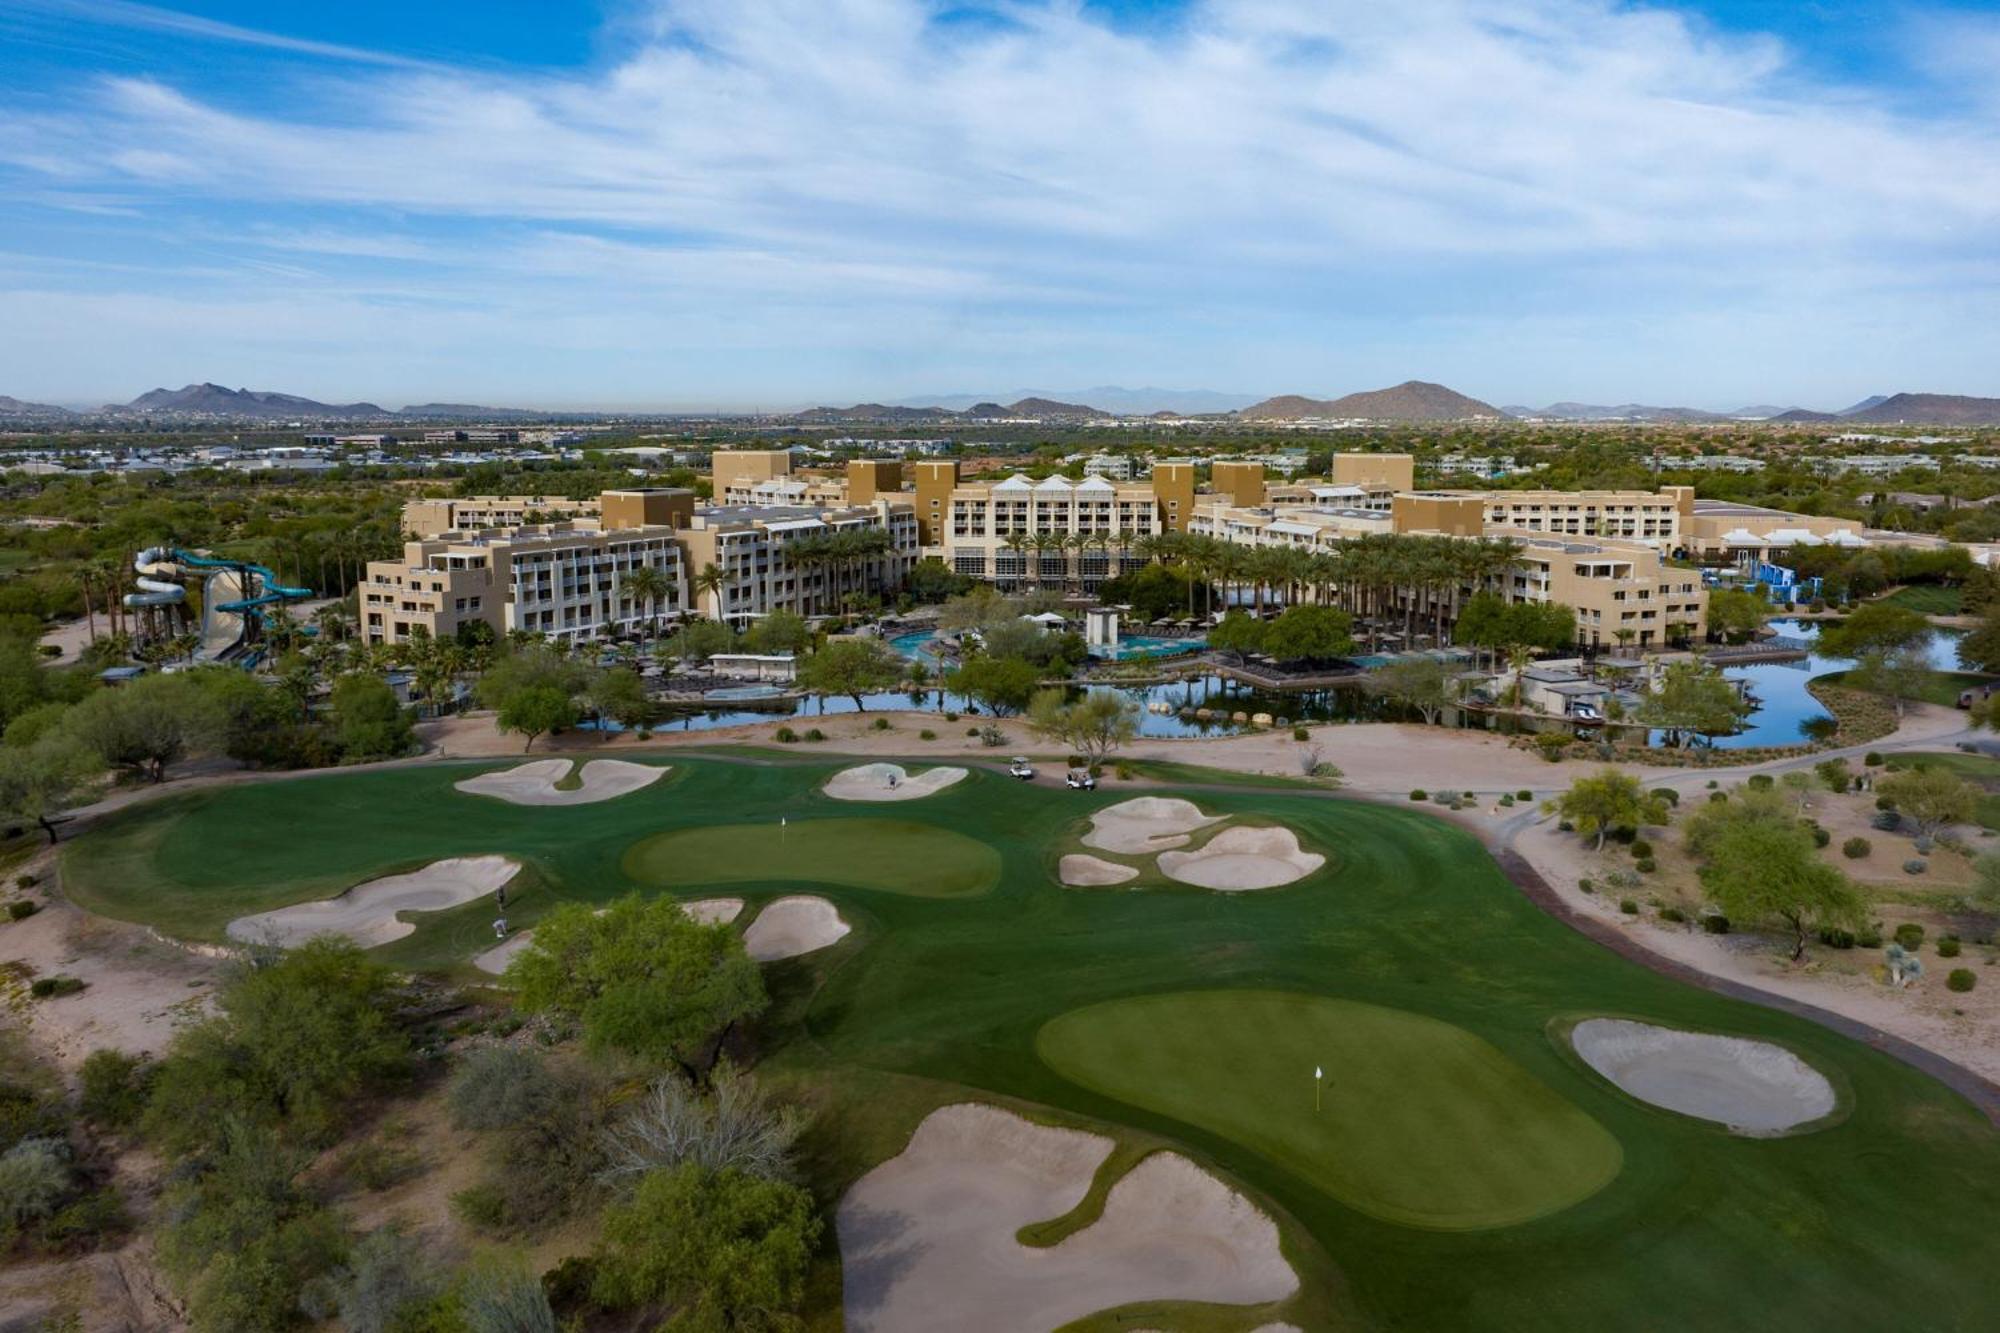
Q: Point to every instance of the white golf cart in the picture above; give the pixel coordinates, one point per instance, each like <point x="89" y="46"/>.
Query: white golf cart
<point x="1021" y="769"/>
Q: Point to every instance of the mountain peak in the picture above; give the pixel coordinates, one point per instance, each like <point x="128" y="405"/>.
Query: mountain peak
<point x="1412" y="400"/>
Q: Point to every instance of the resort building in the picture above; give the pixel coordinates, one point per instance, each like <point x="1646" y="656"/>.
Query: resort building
<point x="748" y="561"/>
<point x="429" y="518"/>
<point x="1053" y="530"/>
<point x="566" y="579"/>
<point x="1726" y="530"/>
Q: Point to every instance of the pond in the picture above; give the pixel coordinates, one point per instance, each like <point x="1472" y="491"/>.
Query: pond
<point x="1785" y="709"/>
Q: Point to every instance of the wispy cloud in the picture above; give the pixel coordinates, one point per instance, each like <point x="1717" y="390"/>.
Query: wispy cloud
<point x="1294" y="162"/>
<point x="153" y="18"/>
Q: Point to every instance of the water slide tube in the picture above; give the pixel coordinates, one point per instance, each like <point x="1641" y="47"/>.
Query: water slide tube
<point x="152" y="591"/>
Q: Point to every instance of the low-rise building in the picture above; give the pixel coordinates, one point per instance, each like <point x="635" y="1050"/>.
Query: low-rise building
<point x="747" y="561"/>
<point x="431" y="517"/>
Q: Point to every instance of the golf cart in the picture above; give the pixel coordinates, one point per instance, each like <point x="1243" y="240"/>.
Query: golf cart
<point x="1021" y="769"/>
<point x="1080" y="780"/>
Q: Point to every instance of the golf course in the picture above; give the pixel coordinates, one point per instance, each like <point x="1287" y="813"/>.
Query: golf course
<point x="1456" y="1166"/>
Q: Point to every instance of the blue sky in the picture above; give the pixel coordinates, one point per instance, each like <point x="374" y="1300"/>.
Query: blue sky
<point x="712" y="203"/>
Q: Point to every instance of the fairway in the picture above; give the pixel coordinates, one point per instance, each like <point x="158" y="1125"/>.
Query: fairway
<point x="1420" y="1122"/>
<point x="888" y="854"/>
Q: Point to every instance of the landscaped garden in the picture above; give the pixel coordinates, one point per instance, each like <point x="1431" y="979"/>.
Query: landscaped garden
<point x="1457" y="1166"/>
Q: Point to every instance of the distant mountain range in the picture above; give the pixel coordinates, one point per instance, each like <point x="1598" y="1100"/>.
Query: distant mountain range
<point x="1041" y="409"/>
<point x="1413" y="400"/>
<point x="1113" y="398"/>
<point x="213" y="400"/>
<point x="15" y="409"/>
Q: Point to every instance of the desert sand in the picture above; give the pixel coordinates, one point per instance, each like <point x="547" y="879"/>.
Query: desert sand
<point x="714" y="911"/>
<point x="1145" y="824"/>
<point x="927" y="1239"/>
<point x="1082" y="871"/>
<point x="535" y="783"/>
<point x="888" y="782"/>
<point x="1243" y="858"/>
<point x="367" y="912"/>
<point x="788" y="927"/>
<point x="1754" y="1087"/>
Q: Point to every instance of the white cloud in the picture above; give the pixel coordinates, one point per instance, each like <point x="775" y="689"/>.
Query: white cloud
<point x="747" y="162"/>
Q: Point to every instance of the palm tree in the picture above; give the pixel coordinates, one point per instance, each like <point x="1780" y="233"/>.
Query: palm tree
<point x="709" y="583"/>
<point x="646" y="586"/>
<point x="1018" y="543"/>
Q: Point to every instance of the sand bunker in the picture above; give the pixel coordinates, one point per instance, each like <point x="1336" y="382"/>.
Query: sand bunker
<point x="1084" y="872"/>
<point x="927" y="1238"/>
<point x="791" y="926"/>
<point x="1145" y="824"/>
<point x="888" y="782"/>
<point x="708" y="911"/>
<point x="1243" y="858"/>
<point x="1754" y="1087"/>
<point x="714" y="911"/>
<point x="535" y="784"/>
<point x="366" y="913"/>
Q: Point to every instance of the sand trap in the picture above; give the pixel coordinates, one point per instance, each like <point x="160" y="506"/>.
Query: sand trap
<point x="791" y="926"/>
<point x="1083" y="872"/>
<point x="1754" y="1087"/>
<point x="535" y="784"/>
<point x="366" y="913"/>
<point x="708" y="911"/>
<point x="1243" y="858"/>
<point x="714" y="911"/>
<point x="1145" y="824"/>
<point x="927" y="1238"/>
<point x="888" y="782"/>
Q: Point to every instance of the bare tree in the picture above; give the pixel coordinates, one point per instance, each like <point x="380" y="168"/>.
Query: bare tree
<point x="734" y="1125"/>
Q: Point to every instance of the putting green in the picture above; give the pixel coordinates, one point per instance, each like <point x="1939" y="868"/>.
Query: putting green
<point x="894" y="855"/>
<point x="1420" y="1122"/>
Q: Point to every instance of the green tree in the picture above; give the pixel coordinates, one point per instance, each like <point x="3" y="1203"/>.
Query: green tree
<point x="697" y="641"/>
<point x="619" y="694"/>
<point x="1877" y="627"/>
<point x="1003" y="685"/>
<point x="1609" y="800"/>
<point x="1693" y="699"/>
<point x="1422" y="683"/>
<point x="728" y="1249"/>
<point x="1759" y="872"/>
<point x="1900" y="674"/>
<point x="642" y="977"/>
<point x="1931" y="798"/>
<point x="1310" y="634"/>
<point x="853" y="667"/>
<point x="371" y="724"/>
<point x="779" y="631"/>
<point x="1237" y="633"/>
<point x="1980" y="648"/>
<point x="1735" y="614"/>
<point x="149" y="724"/>
<point x="1094" y="725"/>
<point x="536" y="711"/>
<point x="39" y="782"/>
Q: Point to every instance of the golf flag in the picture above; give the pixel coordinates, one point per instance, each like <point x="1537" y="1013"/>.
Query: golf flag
<point x="1318" y="1072"/>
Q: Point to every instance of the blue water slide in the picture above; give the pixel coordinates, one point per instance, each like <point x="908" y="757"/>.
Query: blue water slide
<point x="274" y="591"/>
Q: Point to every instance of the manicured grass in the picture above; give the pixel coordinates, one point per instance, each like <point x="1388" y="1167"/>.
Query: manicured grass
<point x="894" y="855"/>
<point x="1419" y="1122"/>
<point x="1940" y="687"/>
<point x="1929" y="599"/>
<point x="1890" y="1218"/>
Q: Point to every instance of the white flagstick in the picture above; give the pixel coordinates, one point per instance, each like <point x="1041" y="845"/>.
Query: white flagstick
<point x="1318" y="1074"/>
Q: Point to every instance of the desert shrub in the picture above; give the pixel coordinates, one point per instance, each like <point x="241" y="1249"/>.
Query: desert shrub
<point x="1885" y="803"/>
<point x="1444" y="797"/>
<point x="1715" y="923"/>
<point x="374" y="1165"/>
<point x="1820" y="836"/>
<point x="1761" y="782"/>
<point x="1419" y="794"/>
<point x="1856" y="848"/>
<point x="1622" y="879"/>
<point x="1909" y="934"/>
<point x="112" y="1088"/>
<point x="785" y="736"/>
<point x="1647" y="865"/>
<point x="972" y="731"/>
<point x="992" y="737"/>
<point x="1506" y="798"/>
<point x="495" y="1298"/>
<point x="482" y="1205"/>
<point x="1565" y="827"/>
<point x="927" y="734"/>
<point x="1587" y="884"/>
<point x="1712" y="784"/>
<point x="1124" y="771"/>
<point x="1869" y="937"/>
<point x="86" y="1221"/>
<point x="24" y="881"/>
<point x="1948" y="946"/>
<point x="1833" y="937"/>
<point x="1923" y="844"/>
<point x="498" y="1087"/>
<point x="1717" y="797"/>
<point x="20" y="910"/>
<point x="1888" y="821"/>
<point x="951" y="717"/>
<point x="541" y="1169"/>
<point x="1667" y="794"/>
<point x="879" y="724"/>
<point x="1961" y="980"/>
<point x="1628" y="907"/>
<point x="815" y="734"/>
<point x="387" y="1278"/>
<point x="1301" y="734"/>
<point x="1524" y="795"/>
<point x="1916" y="865"/>
<point x="1872" y="759"/>
<point x="1641" y="849"/>
<point x="731" y="1125"/>
<point x="34" y="1175"/>
<point x="44" y="988"/>
<point x="1674" y="914"/>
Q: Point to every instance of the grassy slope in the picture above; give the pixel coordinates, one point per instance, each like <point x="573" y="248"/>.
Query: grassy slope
<point x="1891" y="1215"/>
<point x="1941" y="687"/>
<point x="1929" y="599"/>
